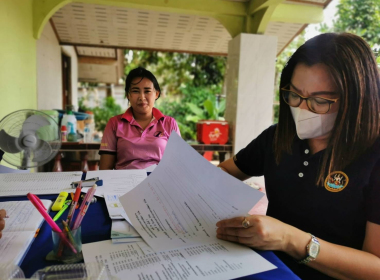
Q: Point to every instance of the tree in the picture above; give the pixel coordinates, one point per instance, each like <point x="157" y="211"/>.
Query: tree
<point x="359" y="17"/>
<point x="175" y="70"/>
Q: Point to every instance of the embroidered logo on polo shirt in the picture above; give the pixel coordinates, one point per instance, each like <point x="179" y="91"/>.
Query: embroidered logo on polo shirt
<point x="336" y="181"/>
<point x="158" y="134"/>
<point x="103" y="144"/>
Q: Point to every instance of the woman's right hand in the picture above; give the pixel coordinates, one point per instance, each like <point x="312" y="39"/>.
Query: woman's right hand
<point x="3" y="214"/>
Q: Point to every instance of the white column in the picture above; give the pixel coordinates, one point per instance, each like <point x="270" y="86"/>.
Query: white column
<point x="250" y="86"/>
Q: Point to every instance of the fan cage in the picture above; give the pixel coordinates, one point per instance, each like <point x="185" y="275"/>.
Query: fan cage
<point x="12" y="124"/>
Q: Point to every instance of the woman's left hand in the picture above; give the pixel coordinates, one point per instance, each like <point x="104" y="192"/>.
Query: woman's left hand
<point x="264" y="233"/>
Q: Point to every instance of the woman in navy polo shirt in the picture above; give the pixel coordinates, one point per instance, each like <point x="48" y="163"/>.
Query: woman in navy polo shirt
<point x="137" y="138"/>
<point x="321" y="164"/>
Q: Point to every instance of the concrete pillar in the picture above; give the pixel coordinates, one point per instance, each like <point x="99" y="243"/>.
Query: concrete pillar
<point x="249" y="86"/>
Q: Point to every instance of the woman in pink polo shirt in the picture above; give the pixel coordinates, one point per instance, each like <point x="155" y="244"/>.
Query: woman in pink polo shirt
<point x="137" y="138"/>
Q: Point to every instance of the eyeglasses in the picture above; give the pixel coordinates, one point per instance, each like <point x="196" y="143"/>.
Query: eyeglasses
<point x="319" y="105"/>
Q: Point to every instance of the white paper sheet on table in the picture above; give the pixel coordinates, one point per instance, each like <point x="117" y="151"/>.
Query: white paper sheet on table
<point x="216" y="261"/>
<point x="181" y="201"/>
<point x="122" y="229"/>
<point x="114" y="207"/>
<point x="16" y="184"/>
<point x="20" y="228"/>
<point x="116" y="182"/>
<point x="151" y="168"/>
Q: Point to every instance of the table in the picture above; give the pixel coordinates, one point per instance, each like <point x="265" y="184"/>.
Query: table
<point x="96" y="226"/>
<point x="87" y="149"/>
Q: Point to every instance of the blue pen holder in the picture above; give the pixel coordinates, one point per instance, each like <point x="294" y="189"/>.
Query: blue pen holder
<point x="63" y="253"/>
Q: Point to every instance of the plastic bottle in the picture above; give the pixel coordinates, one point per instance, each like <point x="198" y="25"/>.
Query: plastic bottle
<point x="72" y="136"/>
<point x="91" y="123"/>
<point x="87" y="134"/>
<point x="69" y="118"/>
<point x="63" y="133"/>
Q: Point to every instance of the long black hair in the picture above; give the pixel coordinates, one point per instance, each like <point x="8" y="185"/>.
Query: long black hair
<point x="353" y="67"/>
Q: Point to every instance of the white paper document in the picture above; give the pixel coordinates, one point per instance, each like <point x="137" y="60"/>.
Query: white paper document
<point x="23" y="216"/>
<point x="20" y="184"/>
<point x="179" y="203"/>
<point x="114" y="207"/>
<point x="216" y="261"/>
<point x="150" y="168"/>
<point x="20" y="228"/>
<point x="13" y="246"/>
<point x="122" y="229"/>
<point x="117" y="182"/>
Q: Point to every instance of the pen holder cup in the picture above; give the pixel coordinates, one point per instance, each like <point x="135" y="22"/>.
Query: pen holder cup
<point x="62" y="252"/>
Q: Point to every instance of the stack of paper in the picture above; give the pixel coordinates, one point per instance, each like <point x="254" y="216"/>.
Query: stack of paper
<point x="175" y="210"/>
<point x="20" y="229"/>
<point x="123" y="232"/>
<point x="20" y="184"/>
<point x="116" y="182"/>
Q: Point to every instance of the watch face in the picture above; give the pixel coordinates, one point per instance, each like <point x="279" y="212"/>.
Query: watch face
<point x="314" y="250"/>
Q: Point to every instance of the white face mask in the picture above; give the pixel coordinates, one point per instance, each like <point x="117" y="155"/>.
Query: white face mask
<point x="311" y="125"/>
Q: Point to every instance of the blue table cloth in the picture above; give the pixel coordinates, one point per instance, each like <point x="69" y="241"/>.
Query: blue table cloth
<point x="96" y="226"/>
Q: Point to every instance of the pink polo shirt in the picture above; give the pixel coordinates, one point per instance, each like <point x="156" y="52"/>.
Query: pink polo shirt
<point x="136" y="148"/>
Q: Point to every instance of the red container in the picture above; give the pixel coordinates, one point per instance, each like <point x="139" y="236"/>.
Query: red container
<point x="212" y="132"/>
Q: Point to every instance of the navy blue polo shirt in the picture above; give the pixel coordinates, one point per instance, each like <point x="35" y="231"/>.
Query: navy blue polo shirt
<point x="294" y="198"/>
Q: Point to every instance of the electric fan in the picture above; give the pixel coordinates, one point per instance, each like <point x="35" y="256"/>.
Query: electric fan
<point x="29" y="138"/>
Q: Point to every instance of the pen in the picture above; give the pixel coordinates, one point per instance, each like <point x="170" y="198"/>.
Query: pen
<point x="60" y="212"/>
<point x="88" y="182"/>
<point x="84" y="207"/>
<point x="69" y="234"/>
<point x="34" y="199"/>
<point x="72" y="196"/>
<point x="39" y="201"/>
<point x="73" y="205"/>
<point x="84" y="174"/>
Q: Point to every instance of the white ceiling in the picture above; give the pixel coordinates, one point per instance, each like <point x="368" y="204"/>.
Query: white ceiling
<point x="96" y="52"/>
<point x="92" y="26"/>
<point x="88" y="24"/>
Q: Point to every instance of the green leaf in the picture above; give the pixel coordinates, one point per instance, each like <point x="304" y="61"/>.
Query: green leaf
<point x="222" y="106"/>
<point x="210" y="109"/>
<point x="195" y="109"/>
<point x="193" y="118"/>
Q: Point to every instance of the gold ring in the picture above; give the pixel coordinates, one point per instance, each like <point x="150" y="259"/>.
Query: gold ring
<point x="245" y="223"/>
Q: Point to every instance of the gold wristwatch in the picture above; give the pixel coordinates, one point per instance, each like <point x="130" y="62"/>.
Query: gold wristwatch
<point x="312" y="250"/>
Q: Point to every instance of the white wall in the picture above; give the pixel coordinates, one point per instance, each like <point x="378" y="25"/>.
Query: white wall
<point x="49" y="73"/>
<point x="70" y="51"/>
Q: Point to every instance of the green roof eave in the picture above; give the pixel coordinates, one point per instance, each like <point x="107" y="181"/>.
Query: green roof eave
<point x="236" y="17"/>
<point x="298" y="14"/>
<point x="43" y="10"/>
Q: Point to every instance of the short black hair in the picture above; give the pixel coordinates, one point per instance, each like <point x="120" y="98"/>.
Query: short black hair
<point x="142" y="73"/>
